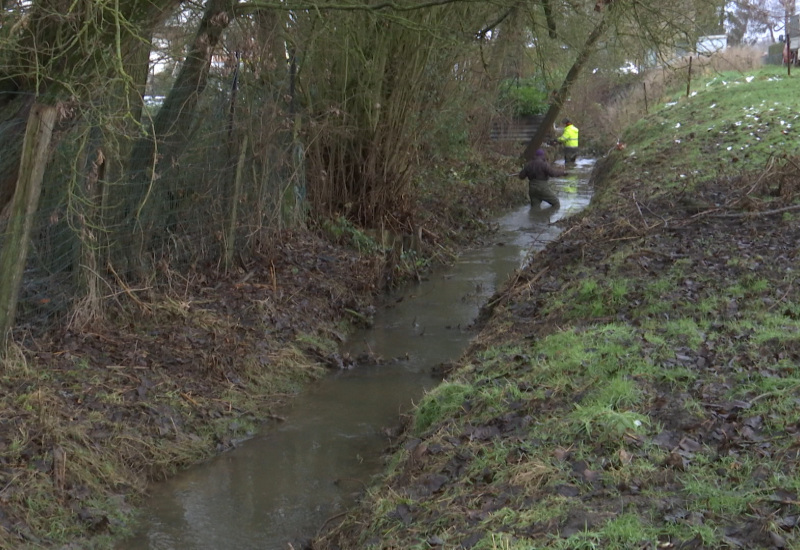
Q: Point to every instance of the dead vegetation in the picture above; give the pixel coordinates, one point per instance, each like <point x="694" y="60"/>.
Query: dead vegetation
<point x="193" y="363"/>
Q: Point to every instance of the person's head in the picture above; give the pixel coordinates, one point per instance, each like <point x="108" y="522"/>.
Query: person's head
<point x="540" y="153"/>
<point x="566" y="122"/>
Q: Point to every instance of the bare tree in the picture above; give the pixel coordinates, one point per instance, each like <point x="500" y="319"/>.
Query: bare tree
<point x="155" y="156"/>
<point x="43" y="59"/>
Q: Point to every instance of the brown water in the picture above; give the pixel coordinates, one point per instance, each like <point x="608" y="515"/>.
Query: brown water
<point x="282" y="485"/>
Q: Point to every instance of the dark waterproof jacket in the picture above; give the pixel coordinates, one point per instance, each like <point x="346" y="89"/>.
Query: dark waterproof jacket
<point x="539" y="169"/>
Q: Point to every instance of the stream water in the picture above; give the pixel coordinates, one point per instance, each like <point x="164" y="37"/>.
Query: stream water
<point x="290" y="479"/>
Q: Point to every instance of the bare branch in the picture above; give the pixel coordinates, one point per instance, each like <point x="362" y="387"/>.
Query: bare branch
<point x="258" y="5"/>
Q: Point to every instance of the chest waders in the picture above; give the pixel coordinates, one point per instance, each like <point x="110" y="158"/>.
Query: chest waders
<point x="539" y="190"/>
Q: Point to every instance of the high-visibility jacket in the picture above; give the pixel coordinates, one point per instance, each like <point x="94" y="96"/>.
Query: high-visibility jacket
<point x="570" y="136"/>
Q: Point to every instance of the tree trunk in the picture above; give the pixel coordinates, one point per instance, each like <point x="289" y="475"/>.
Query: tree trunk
<point x="13" y="114"/>
<point x="563" y="92"/>
<point x="155" y="156"/>
<point x="233" y="209"/>
<point x="35" y="149"/>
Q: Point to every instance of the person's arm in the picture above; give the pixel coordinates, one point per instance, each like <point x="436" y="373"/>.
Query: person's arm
<point x="555" y="172"/>
<point x="523" y="174"/>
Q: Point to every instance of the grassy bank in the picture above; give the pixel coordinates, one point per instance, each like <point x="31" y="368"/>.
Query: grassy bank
<point x="637" y="385"/>
<point x="93" y="412"/>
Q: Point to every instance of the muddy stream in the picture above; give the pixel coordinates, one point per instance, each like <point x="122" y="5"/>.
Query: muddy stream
<point x="279" y="487"/>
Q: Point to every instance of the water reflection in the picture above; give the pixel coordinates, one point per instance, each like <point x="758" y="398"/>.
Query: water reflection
<point x="543" y="215"/>
<point x="289" y="480"/>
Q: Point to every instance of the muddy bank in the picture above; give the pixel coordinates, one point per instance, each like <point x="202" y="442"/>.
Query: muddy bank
<point x="635" y="387"/>
<point x="193" y="366"/>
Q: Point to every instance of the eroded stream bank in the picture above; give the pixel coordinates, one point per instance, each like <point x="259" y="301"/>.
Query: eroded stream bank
<point x="286" y="482"/>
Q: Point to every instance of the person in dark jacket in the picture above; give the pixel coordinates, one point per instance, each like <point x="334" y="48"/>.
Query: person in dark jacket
<point x="538" y="171"/>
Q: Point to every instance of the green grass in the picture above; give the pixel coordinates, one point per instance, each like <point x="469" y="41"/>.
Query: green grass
<point x="709" y="494"/>
<point x="442" y="402"/>
<point x="619" y="392"/>
<point x="590" y="298"/>
<point x="604" y="423"/>
<point x="730" y="121"/>
<point x="686" y="331"/>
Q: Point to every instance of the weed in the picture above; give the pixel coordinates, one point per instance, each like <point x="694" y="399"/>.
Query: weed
<point x="617" y="392"/>
<point x="316" y="344"/>
<point x="685" y="330"/>
<point x="627" y="531"/>
<point x="677" y="376"/>
<point x="533" y="473"/>
<point x="493" y="396"/>
<point x="443" y="401"/>
<point x="588" y="300"/>
<point x="584" y="540"/>
<point x="593" y="299"/>
<point x="605" y="423"/>
<point x="492" y="459"/>
<point x="551" y="507"/>
<point x="708" y="494"/>
<point x="721" y="486"/>
<point x="708" y="307"/>
<point x="343" y="231"/>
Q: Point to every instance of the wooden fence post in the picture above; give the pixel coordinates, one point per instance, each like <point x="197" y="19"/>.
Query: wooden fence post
<point x="233" y="215"/>
<point x="24" y="204"/>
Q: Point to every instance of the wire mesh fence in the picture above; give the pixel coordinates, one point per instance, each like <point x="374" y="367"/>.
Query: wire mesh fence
<point x="104" y="227"/>
<point x="201" y="171"/>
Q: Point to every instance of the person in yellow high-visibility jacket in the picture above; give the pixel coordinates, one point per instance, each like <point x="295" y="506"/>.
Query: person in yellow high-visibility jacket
<point x="569" y="139"/>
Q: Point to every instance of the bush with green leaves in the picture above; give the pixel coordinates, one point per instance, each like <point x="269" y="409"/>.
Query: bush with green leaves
<point x="524" y="97"/>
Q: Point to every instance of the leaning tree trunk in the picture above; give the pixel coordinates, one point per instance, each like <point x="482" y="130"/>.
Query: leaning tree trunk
<point x="13" y="115"/>
<point x="156" y="156"/>
<point x="561" y="95"/>
<point x="35" y="150"/>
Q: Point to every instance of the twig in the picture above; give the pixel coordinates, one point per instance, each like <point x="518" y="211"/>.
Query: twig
<point x="537" y="277"/>
<point x="790" y="161"/>
<point x="10" y="483"/>
<point x="330" y="519"/>
<point x="781" y="299"/>
<point x="623" y="239"/>
<point x="784" y="501"/>
<point x="648" y="252"/>
<point x="128" y="290"/>
<point x="188" y="398"/>
<point x="530" y="282"/>
<point x="644" y="221"/>
<point x="776" y="392"/>
<point x="770" y="164"/>
<point x="758" y="214"/>
<point x="704" y="213"/>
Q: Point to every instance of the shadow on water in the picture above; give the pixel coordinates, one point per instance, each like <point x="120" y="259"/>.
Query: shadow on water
<point x="292" y="477"/>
